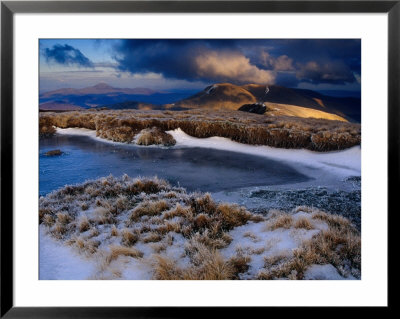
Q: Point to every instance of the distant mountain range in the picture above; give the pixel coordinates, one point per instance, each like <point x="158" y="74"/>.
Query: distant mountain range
<point x="103" y="94"/>
<point x="279" y="100"/>
<point x="101" y="88"/>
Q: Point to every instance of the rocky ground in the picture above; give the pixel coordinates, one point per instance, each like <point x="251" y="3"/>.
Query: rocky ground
<point x="344" y="203"/>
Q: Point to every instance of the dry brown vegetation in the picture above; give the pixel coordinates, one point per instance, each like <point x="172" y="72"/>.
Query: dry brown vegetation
<point x="207" y="264"/>
<point x="340" y="246"/>
<point x="303" y="223"/>
<point x="154" y="136"/>
<point x="116" y="251"/>
<point x="283" y="221"/>
<point x="243" y="127"/>
<point x="124" y="216"/>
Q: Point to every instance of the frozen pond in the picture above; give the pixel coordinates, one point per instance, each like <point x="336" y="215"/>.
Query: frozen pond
<point x="195" y="168"/>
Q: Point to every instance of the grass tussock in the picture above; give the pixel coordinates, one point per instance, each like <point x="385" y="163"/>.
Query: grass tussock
<point x="129" y="237"/>
<point x="86" y="246"/>
<point x="243" y="127"/>
<point x="116" y="251"/>
<point x="303" y="223"/>
<point x="63" y="218"/>
<point x="102" y="215"/>
<point x="148" y="209"/>
<point x="48" y="220"/>
<point x="83" y="224"/>
<point x="152" y="237"/>
<point x="114" y="231"/>
<point x="240" y="264"/>
<point x="283" y="221"/>
<point x="154" y="136"/>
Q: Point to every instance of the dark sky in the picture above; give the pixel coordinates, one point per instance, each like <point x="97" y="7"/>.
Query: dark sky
<point x="318" y="64"/>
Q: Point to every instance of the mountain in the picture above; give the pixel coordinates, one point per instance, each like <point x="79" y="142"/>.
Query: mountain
<point x="217" y="96"/>
<point x="101" y="88"/>
<point x="58" y="106"/>
<point x="350" y="107"/>
<point x="230" y="96"/>
<point x="105" y="95"/>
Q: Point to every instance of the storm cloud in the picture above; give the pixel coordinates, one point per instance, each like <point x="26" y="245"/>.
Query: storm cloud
<point x="334" y="72"/>
<point x="193" y="60"/>
<point x="244" y="61"/>
<point x="66" y="55"/>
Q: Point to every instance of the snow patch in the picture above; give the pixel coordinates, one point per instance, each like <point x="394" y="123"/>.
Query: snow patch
<point x="57" y="261"/>
<point x="323" y="272"/>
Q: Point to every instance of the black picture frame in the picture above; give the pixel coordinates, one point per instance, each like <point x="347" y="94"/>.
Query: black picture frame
<point x="9" y="8"/>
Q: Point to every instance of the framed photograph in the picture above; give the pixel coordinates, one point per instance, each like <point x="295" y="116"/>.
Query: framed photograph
<point x="162" y="155"/>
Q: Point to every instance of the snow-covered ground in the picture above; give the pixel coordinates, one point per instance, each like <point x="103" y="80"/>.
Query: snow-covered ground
<point x="256" y="241"/>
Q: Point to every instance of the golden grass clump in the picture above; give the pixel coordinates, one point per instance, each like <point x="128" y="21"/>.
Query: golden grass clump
<point x="210" y="240"/>
<point x="335" y="221"/>
<point x="46" y="130"/>
<point x="179" y="211"/>
<point x="148" y="209"/>
<point x="102" y="215"/>
<point x="129" y="237"/>
<point x="240" y="264"/>
<point x="122" y="203"/>
<point x="116" y="251"/>
<point x="86" y="246"/>
<point x="148" y="186"/>
<point x="63" y="218"/>
<point x="201" y="220"/>
<point x="58" y="230"/>
<point x="233" y="215"/>
<point x="151" y="237"/>
<point x="48" y="220"/>
<point x="83" y="224"/>
<point x="114" y="231"/>
<point x="283" y="221"/>
<point x="203" y="204"/>
<point x="165" y="268"/>
<point x="155" y="136"/>
<point x="304" y="223"/>
<point x="169" y="227"/>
